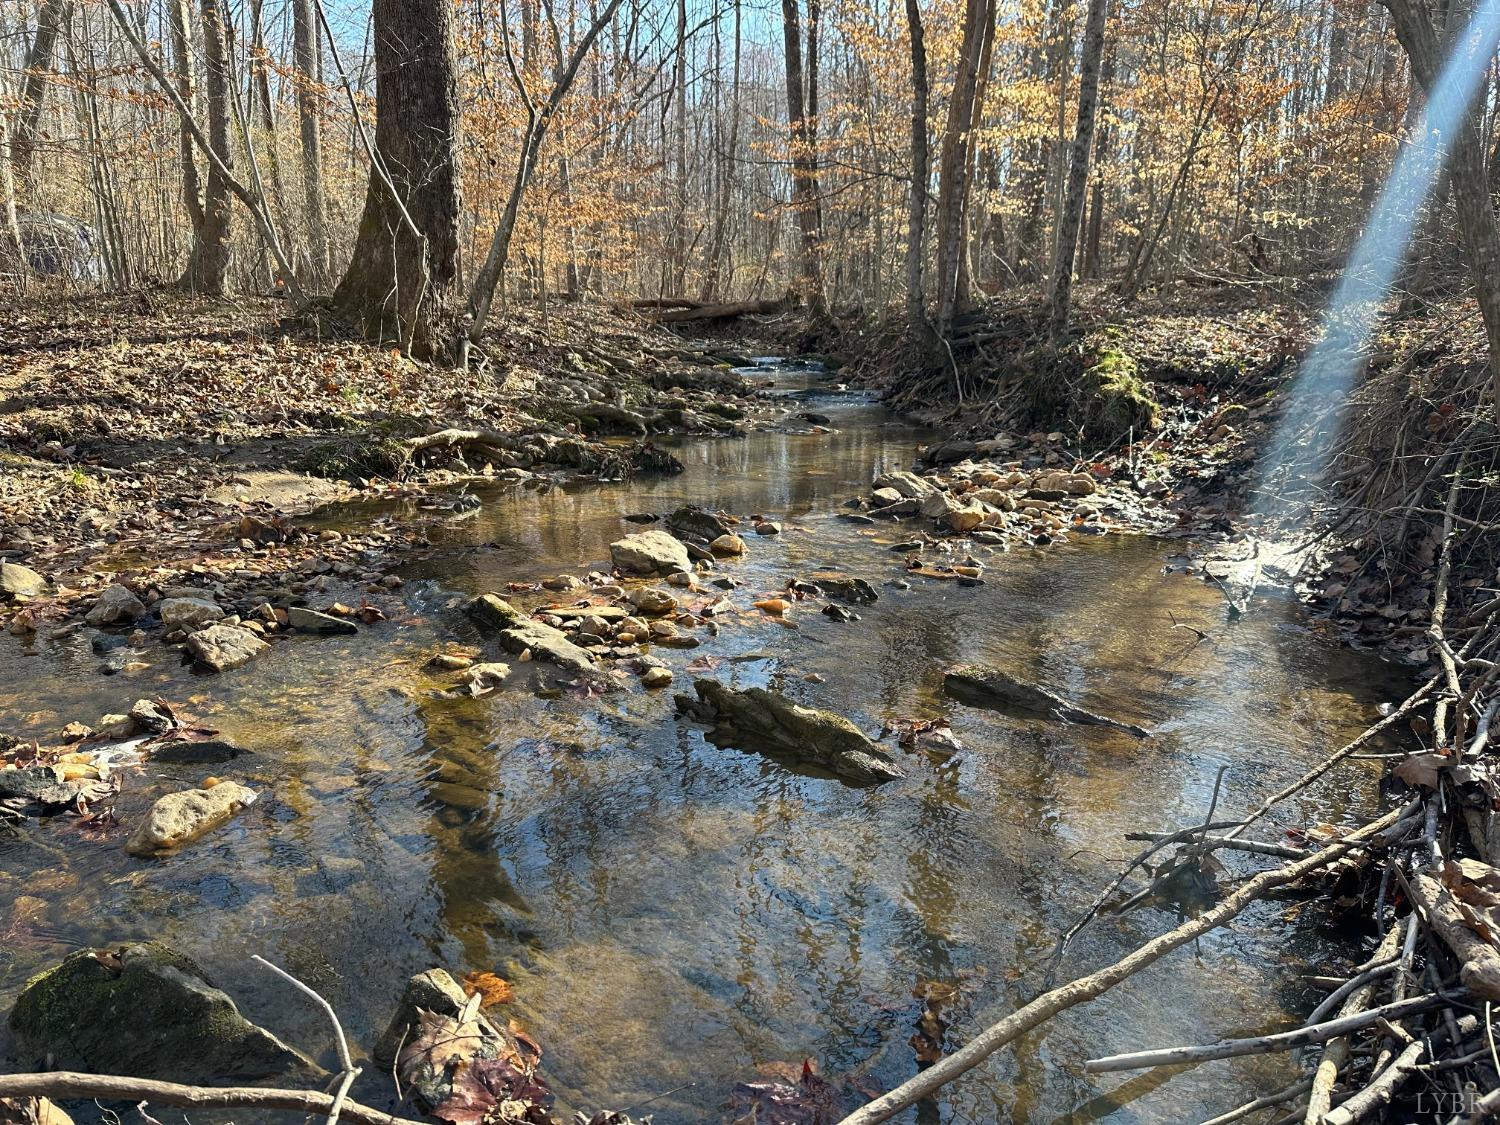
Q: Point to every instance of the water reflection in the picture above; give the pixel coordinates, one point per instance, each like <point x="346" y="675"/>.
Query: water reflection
<point x="674" y="914"/>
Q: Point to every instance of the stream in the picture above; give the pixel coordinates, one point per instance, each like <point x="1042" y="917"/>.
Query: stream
<point x="674" y="916"/>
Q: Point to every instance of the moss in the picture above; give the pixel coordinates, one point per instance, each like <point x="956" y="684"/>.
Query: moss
<point x="144" y="1011"/>
<point x="1112" y="399"/>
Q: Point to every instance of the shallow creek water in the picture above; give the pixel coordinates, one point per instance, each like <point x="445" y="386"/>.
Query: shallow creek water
<point x="673" y="915"/>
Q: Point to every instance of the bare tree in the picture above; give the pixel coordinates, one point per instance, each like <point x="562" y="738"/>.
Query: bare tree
<point x="916" y="213"/>
<point x="402" y="281"/>
<point x="1071" y="218"/>
<point x="801" y="99"/>
<point x="310" y="124"/>
<point x="208" y="261"/>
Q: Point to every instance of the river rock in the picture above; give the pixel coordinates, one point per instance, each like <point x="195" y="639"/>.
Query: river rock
<point x="844" y="587"/>
<point x="32" y="783"/>
<point x="188" y="614"/>
<point x="650" y="552"/>
<point x="768" y="527"/>
<point x="943" y="507"/>
<point x="652" y="601"/>
<point x="144" y="1011"/>
<point x="757" y="719"/>
<point x="310" y="621"/>
<point x="1000" y="691"/>
<point x="697" y="522"/>
<point x="518" y="633"/>
<point x="181" y="818"/>
<point x="19" y="582"/>
<point x="222" y="647"/>
<point x="909" y="485"/>
<point x="727" y="546"/>
<point x="117" y="603"/>
<point x="949" y="452"/>
<point x="656" y="677"/>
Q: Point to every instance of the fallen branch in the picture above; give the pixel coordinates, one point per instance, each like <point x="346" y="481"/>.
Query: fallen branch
<point x="1263" y="1044"/>
<point x="105" y="1087"/>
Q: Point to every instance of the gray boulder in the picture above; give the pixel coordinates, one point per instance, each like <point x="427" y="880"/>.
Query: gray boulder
<point x="518" y="633"/>
<point x="145" y="1011"/>
<point x="188" y="614"/>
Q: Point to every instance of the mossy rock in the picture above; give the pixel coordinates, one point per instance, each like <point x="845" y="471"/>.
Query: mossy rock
<point x="1112" y="399"/>
<point x="145" y="1011"/>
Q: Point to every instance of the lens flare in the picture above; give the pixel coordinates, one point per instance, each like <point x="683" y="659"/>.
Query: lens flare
<point x="1309" y="424"/>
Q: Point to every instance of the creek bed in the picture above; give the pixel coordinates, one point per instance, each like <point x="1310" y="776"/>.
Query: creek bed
<point x="673" y="915"/>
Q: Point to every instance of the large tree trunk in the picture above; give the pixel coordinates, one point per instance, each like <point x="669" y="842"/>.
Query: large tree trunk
<point x="51" y="18"/>
<point x="916" y="210"/>
<point x="805" y="201"/>
<point x="953" y="166"/>
<point x="208" y="261"/>
<point x="1071" y="216"/>
<point x="305" y="53"/>
<point x="402" y="281"/>
<point x="1476" y="218"/>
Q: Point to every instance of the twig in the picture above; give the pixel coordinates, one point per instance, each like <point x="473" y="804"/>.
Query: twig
<point x="1262" y="1044"/>
<point x="57" y="1084"/>
<point x="350" y="1071"/>
<point x="1265" y="1101"/>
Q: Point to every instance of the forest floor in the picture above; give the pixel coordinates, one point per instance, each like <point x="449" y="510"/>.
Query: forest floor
<point x="170" y="437"/>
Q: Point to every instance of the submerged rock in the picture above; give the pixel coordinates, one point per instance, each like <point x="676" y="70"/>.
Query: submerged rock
<point x="145" y="1011"/>
<point x="650" y="552"/>
<point x="757" y="719"/>
<point x="844" y="587"/>
<point x="1000" y="691"/>
<point x="310" y="621"/>
<point x="181" y="818"/>
<point x="518" y="633"/>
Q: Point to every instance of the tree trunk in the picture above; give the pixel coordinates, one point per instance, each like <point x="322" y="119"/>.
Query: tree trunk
<point x="916" y="210"/>
<point x="315" y="204"/>
<point x="402" y="281"/>
<point x="953" y="165"/>
<point x="1078" y="168"/>
<point x="208" y="261"/>
<point x="51" y="18"/>
<point x="805" y="203"/>
<point x="1476" y="217"/>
